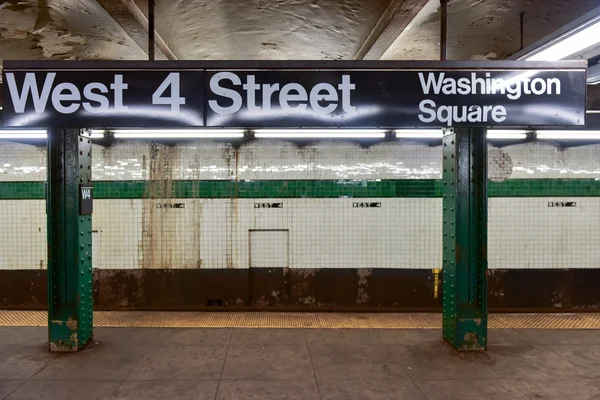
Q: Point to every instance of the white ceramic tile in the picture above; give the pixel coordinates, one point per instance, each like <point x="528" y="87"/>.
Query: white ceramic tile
<point x="540" y="159"/>
<point x="265" y="159"/>
<point x="22" y="162"/>
<point x="23" y="234"/>
<point x="323" y="233"/>
<point x="526" y="233"/>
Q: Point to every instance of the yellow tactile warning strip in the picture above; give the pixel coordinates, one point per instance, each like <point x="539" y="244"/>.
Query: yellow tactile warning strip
<point x="149" y="319"/>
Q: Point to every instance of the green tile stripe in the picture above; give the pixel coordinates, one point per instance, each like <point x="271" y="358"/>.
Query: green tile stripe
<point x="265" y="189"/>
<point x="544" y="188"/>
<point x="408" y="188"/>
<point x="22" y="190"/>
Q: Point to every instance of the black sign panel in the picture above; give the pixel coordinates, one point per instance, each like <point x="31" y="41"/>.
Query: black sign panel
<point x="395" y="98"/>
<point x="103" y="98"/>
<point x="86" y="202"/>
<point x="280" y="97"/>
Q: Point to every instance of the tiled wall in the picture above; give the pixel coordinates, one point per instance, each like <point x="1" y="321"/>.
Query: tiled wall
<point x="23" y="234"/>
<point x="265" y="159"/>
<point x="19" y="162"/>
<point x="192" y="205"/>
<point x="214" y="233"/>
<point x="527" y="233"/>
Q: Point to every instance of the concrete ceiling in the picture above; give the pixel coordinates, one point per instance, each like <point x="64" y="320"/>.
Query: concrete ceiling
<point x="484" y="29"/>
<point x="275" y="29"/>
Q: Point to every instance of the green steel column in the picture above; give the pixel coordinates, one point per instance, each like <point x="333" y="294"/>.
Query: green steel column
<point x="69" y="241"/>
<point x="464" y="190"/>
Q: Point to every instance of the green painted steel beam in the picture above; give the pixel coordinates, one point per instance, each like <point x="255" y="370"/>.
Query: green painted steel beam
<point x="464" y="198"/>
<point x="70" y="301"/>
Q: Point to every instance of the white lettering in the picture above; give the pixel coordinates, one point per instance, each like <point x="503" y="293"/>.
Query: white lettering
<point x="460" y="117"/>
<point x="423" y="108"/>
<point x="438" y="83"/>
<point x="285" y="96"/>
<point x="268" y="91"/>
<point x="498" y="113"/>
<point x="498" y="85"/>
<point x="174" y="100"/>
<point x="234" y="96"/>
<point x="322" y="98"/>
<point x="514" y="90"/>
<point x="464" y="87"/>
<point x="426" y="86"/>
<point x="316" y="97"/>
<point x="95" y="97"/>
<point x="556" y="83"/>
<point x="449" y="115"/>
<point x="486" y="110"/>
<point x="444" y="115"/>
<point x="449" y="86"/>
<point x="526" y="83"/>
<point x="19" y="100"/>
<point x="72" y="95"/>
<point x="251" y="87"/>
<point x="542" y="86"/>
<point x="474" y="114"/>
<point x="118" y="86"/>
<point x="477" y="81"/>
<point x="346" y="87"/>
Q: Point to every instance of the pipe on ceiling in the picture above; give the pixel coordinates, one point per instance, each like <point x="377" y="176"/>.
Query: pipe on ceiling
<point x="443" y="29"/>
<point x="522" y="24"/>
<point x="151" y="30"/>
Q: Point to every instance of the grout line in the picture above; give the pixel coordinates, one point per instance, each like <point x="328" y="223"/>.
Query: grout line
<point x="224" y="362"/>
<point x="127" y="376"/>
<point x="17" y="388"/>
<point x="54" y="356"/>
<point x="313" y="366"/>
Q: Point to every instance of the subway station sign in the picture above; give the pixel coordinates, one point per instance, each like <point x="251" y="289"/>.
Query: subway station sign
<point x="293" y="94"/>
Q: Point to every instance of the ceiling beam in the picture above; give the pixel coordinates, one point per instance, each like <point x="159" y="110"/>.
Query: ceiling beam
<point x="127" y="14"/>
<point x="392" y="22"/>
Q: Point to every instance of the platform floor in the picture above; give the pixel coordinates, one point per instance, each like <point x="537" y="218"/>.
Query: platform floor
<point x="304" y="364"/>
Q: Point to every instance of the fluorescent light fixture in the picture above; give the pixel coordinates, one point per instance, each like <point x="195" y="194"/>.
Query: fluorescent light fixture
<point x="566" y="42"/>
<point x="568" y="45"/>
<point x="506" y="134"/>
<point x="22" y="134"/>
<point x="36" y="134"/>
<point x="593" y="75"/>
<point x="437" y="134"/>
<point x="419" y="133"/>
<point x="97" y="134"/>
<point x="568" y="135"/>
<point x="178" y="133"/>
<point x="319" y="133"/>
